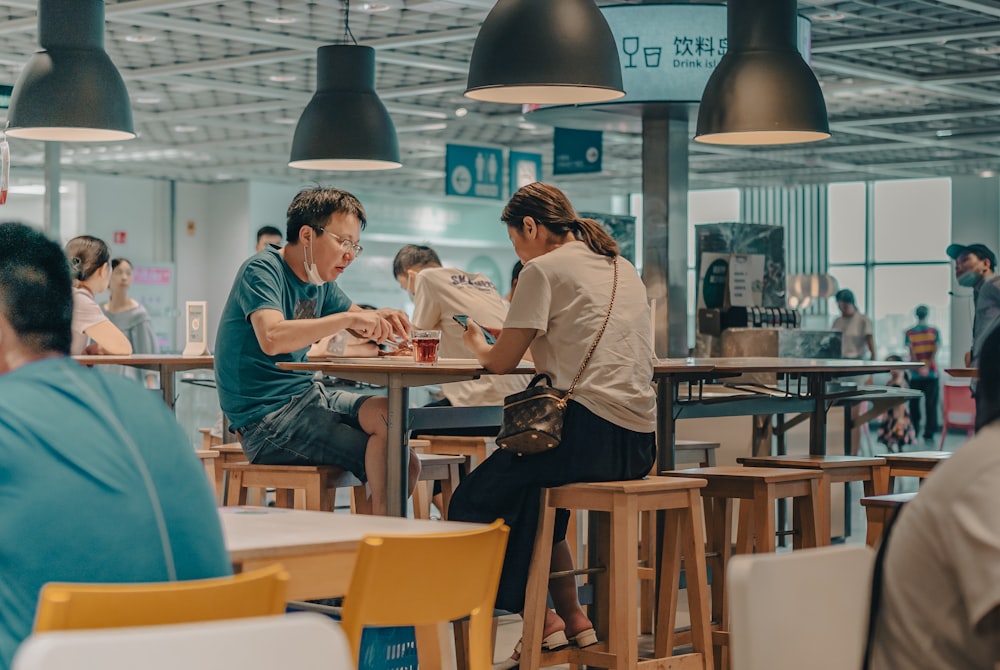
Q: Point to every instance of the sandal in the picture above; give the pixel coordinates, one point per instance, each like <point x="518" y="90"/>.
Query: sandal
<point x="552" y="642"/>
<point x="584" y="638"/>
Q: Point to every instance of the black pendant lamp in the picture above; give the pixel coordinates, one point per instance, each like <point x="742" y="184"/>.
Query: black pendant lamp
<point x="345" y="126"/>
<point x="762" y="91"/>
<point x="70" y="90"/>
<point x="545" y="52"/>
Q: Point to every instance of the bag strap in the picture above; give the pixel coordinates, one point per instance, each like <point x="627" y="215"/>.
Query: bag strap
<point x="600" y="333"/>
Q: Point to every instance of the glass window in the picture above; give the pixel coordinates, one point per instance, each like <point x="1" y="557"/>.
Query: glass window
<point x="912" y="219"/>
<point x="847" y="213"/>
<point x="898" y="291"/>
<point x="714" y="206"/>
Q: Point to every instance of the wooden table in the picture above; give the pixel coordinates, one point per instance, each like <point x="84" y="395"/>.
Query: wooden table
<point x="966" y="373"/>
<point x="166" y="364"/>
<point x="318" y="549"/>
<point x="398" y="374"/>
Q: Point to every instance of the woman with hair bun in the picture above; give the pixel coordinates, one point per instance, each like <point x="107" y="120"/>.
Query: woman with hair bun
<point x="572" y="273"/>
<point x="93" y="332"/>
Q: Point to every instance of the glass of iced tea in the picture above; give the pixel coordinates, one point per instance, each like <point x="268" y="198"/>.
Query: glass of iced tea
<point x="425" y="345"/>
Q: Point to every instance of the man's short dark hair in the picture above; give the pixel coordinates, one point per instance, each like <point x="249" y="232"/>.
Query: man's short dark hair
<point x="313" y="206"/>
<point x="922" y="311"/>
<point x="845" y="295"/>
<point x="35" y="289"/>
<point x="412" y="256"/>
<point x="267" y="230"/>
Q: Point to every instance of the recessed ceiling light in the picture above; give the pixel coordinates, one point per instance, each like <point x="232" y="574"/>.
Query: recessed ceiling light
<point x="281" y="78"/>
<point x="947" y="132"/>
<point x="828" y="16"/>
<point x="144" y="99"/>
<point x="986" y="174"/>
<point x="285" y="121"/>
<point x="461" y="111"/>
<point x="185" y="129"/>
<point x="281" y="20"/>
<point x="986" y="51"/>
<point x="140" y="38"/>
<point x="375" y="7"/>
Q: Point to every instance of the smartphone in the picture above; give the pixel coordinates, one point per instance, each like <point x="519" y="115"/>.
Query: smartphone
<point x="464" y="321"/>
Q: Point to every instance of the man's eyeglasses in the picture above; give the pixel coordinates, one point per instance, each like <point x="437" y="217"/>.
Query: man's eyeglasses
<point x="346" y="244"/>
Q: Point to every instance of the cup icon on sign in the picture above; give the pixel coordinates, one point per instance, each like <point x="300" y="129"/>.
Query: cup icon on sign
<point x="652" y="56"/>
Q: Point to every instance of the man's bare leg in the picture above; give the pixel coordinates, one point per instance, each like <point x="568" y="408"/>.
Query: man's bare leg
<point x="373" y="419"/>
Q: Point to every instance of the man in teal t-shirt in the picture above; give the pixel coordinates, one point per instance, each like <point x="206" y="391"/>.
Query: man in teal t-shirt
<point x="282" y="301"/>
<point x="98" y="481"/>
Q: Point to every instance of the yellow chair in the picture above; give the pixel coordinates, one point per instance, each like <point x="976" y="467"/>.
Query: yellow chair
<point x="425" y="580"/>
<point x="63" y="606"/>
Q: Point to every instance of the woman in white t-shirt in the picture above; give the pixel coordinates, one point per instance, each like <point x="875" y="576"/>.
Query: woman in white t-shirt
<point x="560" y="304"/>
<point x="93" y="332"/>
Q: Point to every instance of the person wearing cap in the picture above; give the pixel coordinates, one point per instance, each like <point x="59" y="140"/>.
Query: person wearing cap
<point x="923" y="341"/>
<point x="857" y="338"/>
<point x="975" y="268"/>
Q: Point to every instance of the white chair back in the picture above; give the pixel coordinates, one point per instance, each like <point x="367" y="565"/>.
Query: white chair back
<point x="304" y="641"/>
<point x="802" y="609"/>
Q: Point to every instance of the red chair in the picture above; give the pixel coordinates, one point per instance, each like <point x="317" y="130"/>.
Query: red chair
<point x="959" y="410"/>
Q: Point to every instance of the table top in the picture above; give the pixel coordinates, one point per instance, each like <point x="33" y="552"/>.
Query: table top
<point x="272" y="533"/>
<point x="967" y="373"/>
<point x="176" y="361"/>
<point x="389" y="364"/>
<point x="917" y="456"/>
<point x="825" y="462"/>
<point x="778" y="364"/>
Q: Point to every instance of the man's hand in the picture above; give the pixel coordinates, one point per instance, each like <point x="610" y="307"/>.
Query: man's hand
<point x="400" y="323"/>
<point x="380" y="325"/>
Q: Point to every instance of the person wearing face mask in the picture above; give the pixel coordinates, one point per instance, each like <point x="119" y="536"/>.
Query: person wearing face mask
<point x="975" y="268"/>
<point x="282" y="301"/>
<point x="93" y="333"/>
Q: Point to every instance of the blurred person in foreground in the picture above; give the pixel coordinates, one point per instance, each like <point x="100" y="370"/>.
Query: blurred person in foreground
<point x="923" y="341"/>
<point x="102" y="482"/>
<point x="938" y="603"/>
<point x="282" y="301"/>
<point x="267" y="235"/>
<point x="560" y="304"/>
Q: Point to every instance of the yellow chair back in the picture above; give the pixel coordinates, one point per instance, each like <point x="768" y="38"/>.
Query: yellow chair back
<point x="64" y="606"/>
<point x="420" y="580"/>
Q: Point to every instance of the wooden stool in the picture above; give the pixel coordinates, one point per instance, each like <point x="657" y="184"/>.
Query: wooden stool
<point x="616" y="589"/>
<point x="209" y="458"/>
<point x="318" y="483"/>
<point x="231" y="453"/>
<point x="872" y="472"/>
<point x="436" y="468"/>
<point x="912" y="464"/>
<point x="207" y="439"/>
<point x="761" y="488"/>
<point x="879" y="510"/>
<point x="686" y="452"/>
<point x="475" y="449"/>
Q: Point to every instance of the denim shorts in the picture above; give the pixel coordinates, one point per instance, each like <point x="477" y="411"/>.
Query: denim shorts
<point x="317" y="427"/>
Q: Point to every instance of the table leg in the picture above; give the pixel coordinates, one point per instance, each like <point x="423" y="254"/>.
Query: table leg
<point x="665" y="424"/>
<point x="397" y="455"/>
<point x="817" y="422"/>
<point x="167" y="385"/>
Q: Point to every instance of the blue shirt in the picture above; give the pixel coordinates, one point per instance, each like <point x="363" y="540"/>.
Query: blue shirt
<point x="249" y="382"/>
<point x="78" y="448"/>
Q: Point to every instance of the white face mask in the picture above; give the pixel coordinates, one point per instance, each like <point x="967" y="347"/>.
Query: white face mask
<point x="312" y="273"/>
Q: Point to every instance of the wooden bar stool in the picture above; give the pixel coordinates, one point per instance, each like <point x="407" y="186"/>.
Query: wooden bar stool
<point x="475" y="449"/>
<point x="209" y="457"/>
<point x="879" y="510"/>
<point x="913" y="464"/>
<point x="686" y="452"/>
<point x="618" y="624"/>
<point x="872" y="472"/>
<point x="317" y="483"/>
<point x="231" y="453"/>
<point x="207" y="439"/>
<point x="435" y="468"/>
<point x="760" y="488"/>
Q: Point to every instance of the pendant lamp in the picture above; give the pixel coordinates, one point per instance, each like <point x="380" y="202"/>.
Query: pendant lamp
<point x="762" y="91"/>
<point x="70" y="90"/>
<point x="545" y="52"/>
<point x="345" y="126"/>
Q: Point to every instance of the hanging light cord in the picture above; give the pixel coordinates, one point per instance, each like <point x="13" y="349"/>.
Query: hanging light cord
<point x="348" y="35"/>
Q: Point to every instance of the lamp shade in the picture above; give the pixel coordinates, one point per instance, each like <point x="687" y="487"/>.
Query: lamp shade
<point x="345" y="126"/>
<point x="545" y="52"/>
<point x="762" y="91"/>
<point x="70" y="91"/>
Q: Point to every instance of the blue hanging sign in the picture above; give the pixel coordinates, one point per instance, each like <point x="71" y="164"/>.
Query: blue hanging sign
<point x="577" y="151"/>
<point x="525" y="168"/>
<point x="473" y="172"/>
